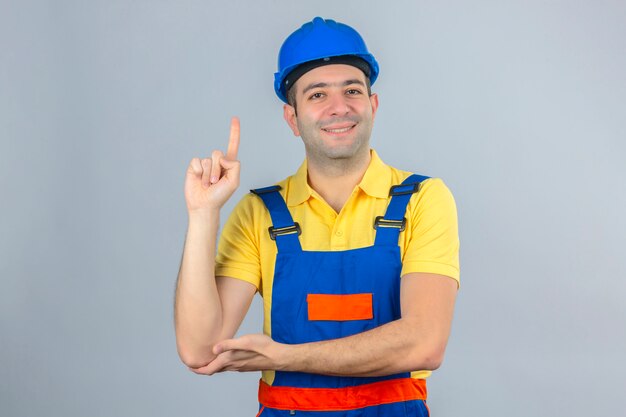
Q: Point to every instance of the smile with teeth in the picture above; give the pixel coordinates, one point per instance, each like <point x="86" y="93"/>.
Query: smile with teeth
<point x="342" y="130"/>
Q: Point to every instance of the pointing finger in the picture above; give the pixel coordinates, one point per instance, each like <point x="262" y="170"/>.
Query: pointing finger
<point x="233" y="142"/>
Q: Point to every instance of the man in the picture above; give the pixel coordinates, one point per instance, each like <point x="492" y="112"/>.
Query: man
<point x="357" y="262"/>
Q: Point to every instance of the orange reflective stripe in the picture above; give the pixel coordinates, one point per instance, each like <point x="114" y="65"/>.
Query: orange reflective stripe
<point x="348" y="398"/>
<point x="340" y="307"/>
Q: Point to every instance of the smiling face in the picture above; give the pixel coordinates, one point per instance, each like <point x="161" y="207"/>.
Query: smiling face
<point x="335" y="113"/>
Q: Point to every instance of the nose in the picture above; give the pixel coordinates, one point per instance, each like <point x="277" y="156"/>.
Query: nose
<point x="338" y="105"/>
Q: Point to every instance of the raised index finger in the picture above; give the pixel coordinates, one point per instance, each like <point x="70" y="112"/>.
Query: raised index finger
<point x="233" y="141"/>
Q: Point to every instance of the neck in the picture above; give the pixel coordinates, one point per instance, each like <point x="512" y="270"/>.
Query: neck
<point x="336" y="180"/>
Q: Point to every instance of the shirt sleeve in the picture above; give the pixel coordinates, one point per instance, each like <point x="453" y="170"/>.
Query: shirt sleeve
<point x="238" y="248"/>
<point x="431" y="242"/>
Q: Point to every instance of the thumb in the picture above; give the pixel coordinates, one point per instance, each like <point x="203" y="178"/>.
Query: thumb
<point x="227" y="164"/>
<point x="223" y="346"/>
<point x="231" y="168"/>
<point x="241" y="343"/>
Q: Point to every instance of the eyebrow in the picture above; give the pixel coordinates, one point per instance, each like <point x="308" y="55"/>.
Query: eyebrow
<point x="322" y="85"/>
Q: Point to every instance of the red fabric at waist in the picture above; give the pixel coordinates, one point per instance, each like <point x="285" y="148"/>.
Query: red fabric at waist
<point x="348" y="398"/>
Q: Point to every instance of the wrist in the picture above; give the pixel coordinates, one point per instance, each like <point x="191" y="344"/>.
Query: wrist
<point x="290" y="357"/>
<point x="203" y="226"/>
<point x="203" y="216"/>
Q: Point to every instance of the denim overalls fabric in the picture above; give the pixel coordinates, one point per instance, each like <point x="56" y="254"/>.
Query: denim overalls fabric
<point x="321" y="295"/>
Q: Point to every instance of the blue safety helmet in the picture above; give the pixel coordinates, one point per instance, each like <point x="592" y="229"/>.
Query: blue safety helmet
<point x="321" y="42"/>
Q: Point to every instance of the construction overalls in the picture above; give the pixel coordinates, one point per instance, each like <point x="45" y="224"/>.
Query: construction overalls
<point x="328" y="295"/>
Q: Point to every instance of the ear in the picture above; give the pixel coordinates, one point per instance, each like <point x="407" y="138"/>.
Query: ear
<point x="289" y="113"/>
<point x="374" y="103"/>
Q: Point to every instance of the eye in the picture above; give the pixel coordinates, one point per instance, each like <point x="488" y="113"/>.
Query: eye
<point x="316" y="96"/>
<point x="353" y="92"/>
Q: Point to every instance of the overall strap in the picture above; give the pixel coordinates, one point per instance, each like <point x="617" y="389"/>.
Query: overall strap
<point x="389" y="226"/>
<point x="284" y="230"/>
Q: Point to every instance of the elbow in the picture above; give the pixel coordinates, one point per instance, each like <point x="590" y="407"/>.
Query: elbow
<point x="196" y="363"/>
<point x="432" y="361"/>
<point x="427" y="359"/>
<point x="196" y="359"/>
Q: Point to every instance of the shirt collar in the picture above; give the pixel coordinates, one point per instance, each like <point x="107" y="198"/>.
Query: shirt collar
<point x="375" y="183"/>
<point x="299" y="189"/>
<point x="377" y="179"/>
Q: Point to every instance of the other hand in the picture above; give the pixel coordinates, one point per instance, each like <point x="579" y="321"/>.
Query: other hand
<point x="253" y="352"/>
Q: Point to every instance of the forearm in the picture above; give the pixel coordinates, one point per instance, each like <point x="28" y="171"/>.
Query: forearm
<point x="417" y="341"/>
<point x="198" y="311"/>
<point x="399" y="346"/>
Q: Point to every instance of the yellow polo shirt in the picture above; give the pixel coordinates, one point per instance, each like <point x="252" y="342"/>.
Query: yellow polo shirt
<point x="430" y="242"/>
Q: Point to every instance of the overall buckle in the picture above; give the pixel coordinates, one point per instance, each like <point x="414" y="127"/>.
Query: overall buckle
<point x="380" y="221"/>
<point x="284" y="230"/>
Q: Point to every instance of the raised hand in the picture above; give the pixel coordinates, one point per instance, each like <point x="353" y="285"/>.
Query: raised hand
<point x="210" y="182"/>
